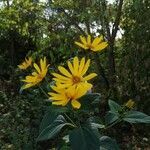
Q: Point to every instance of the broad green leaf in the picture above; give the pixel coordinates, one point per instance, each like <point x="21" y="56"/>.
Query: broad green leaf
<point x="137" y="117"/>
<point x="114" y="107"/>
<point x="110" y="118"/>
<point x="51" y="114"/>
<point x="84" y="139"/>
<point x="64" y="148"/>
<point x="106" y="143"/>
<point x="95" y="122"/>
<point x="66" y="138"/>
<point x="59" y="109"/>
<point x="53" y="129"/>
<point x="97" y="125"/>
<point x="48" y="119"/>
<point x="90" y="100"/>
<point x="28" y="146"/>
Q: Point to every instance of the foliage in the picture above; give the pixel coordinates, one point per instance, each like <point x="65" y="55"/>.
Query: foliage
<point x="135" y="52"/>
<point x="30" y="28"/>
<point x="20" y="119"/>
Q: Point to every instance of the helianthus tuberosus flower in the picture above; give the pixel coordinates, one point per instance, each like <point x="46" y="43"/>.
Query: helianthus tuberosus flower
<point x="25" y="64"/>
<point x="37" y="76"/>
<point x="130" y="103"/>
<point x="75" y="75"/>
<point x="96" y="45"/>
<point x="62" y="96"/>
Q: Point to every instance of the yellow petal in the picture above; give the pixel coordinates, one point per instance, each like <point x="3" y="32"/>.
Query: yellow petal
<point x="97" y="40"/>
<point x="63" y="86"/>
<point x="101" y="46"/>
<point x="60" y="77"/>
<point x="63" y="81"/>
<point x="58" y="90"/>
<point x="82" y="63"/>
<point x="75" y="65"/>
<point x="64" y="71"/>
<point x="89" y="40"/>
<point x="29" y="79"/>
<point x="26" y="60"/>
<point x="90" y="76"/>
<point x="88" y="86"/>
<point x="37" y="68"/>
<point x="81" y="45"/>
<point x="56" y="98"/>
<point x="57" y="103"/>
<point x="71" y="91"/>
<point x="83" y="40"/>
<point x="20" y="66"/>
<point x="75" y="104"/>
<point x="30" y="59"/>
<point x="70" y="67"/>
<point x="26" y="63"/>
<point x="44" y="61"/>
<point x="42" y="64"/>
<point x="34" y="74"/>
<point x="81" y="90"/>
<point x="85" y="67"/>
<point x="130" y="104"/>
<point x="51" y="94"/>
<point x="65" y="102"/>
<point x="27" y="86"/>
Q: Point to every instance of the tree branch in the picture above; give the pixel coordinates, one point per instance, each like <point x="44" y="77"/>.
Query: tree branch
<point x="117" y="20"/>
<point x="74" y="22"/>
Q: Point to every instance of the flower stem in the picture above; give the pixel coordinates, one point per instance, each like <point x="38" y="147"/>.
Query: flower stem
<point x="43" y="91"/>
<point x="113" y="123"/>
<point x="70" y="120"/>
<point x="101" y="70"/>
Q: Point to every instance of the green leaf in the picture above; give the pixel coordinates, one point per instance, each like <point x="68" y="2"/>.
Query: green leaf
<point x="110" y="118"/>
<point x="53" y="129"/>
<point x="84" y="139"/>
<point x="51" y="114"/>
<point x="65" y="147"/>
<point x="137" y="117"/>
<point x="89" y="100"/>
<point x="95" y="122"/>
<point x="28" y="146"/>
<point x="59" y="109"/>
<point x="106" y="143"/>
<point x="97" y="125"/>
<point x="114" y="107"/>
<point x="48" y="119"/>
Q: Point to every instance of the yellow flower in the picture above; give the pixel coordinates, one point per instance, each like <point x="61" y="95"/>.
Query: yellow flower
<point x="130" y="103"/>
<point x="62" y="96"/>
<point x="75" y="75"/>
<point x="26" y="63"/>
<point x="96" y="45"/>
<point x="37" y="76"/>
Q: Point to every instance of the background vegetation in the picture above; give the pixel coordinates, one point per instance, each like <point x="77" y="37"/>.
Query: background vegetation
<point x="35" y="28"/>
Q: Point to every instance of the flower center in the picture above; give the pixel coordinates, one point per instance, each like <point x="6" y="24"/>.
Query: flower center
<point x="69" y="96"/>
<point x="76" y="79"/>
<point x="39" y="77"/>
<point x="90" y="46"/>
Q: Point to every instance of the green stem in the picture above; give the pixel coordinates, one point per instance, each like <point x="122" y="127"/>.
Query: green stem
<point x="72" y="125"/>
<point x="70" y="120"/>
<point x="113" y="123"/>
<point x="43" y="91"/>
<point x="100" y="70"/>
<point x="46" y="80"/>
